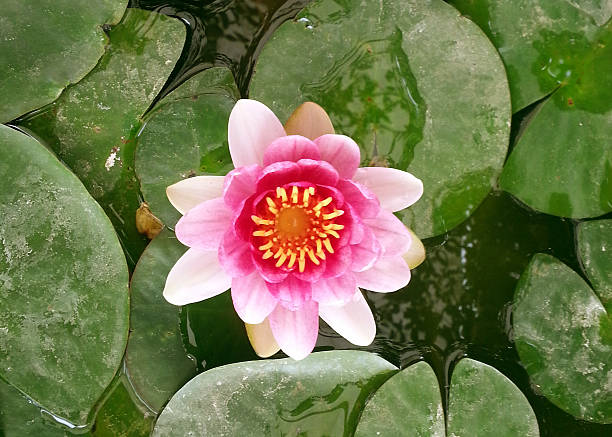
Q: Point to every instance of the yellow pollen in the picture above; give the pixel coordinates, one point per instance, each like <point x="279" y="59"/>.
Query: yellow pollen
<point x="262" y="233"/>
<point x="323" y="203"/>
<point x="294" y="194"/>
<point x="332" y="215"/>
<point x="281" y="193"/>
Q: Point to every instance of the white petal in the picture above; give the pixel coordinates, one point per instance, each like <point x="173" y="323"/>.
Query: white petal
<point x="416" y="254"/>
<point x="390" y="273"/>
<point x="261" y="339"/>
<point x="296" y="331"/>
<point x="190" y="192"/>
<point x="394" y="188"/>
<point x="252" y="127"/>
<point x="354" y="321"/>
<point x="196" y="276"/>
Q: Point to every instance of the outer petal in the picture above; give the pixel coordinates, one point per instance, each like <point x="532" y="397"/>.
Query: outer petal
<point x="261" y="339"/>
<point x="354" y="321"/>
<point x="416" y="254"/>
<point x="391" y="233"/>
<point x="338" y="263"/>
<point x="296" y="331"/>
<point x="252" y="127"/>
<point x="240" y="184"/>
<point x="203" y="226"/>
<point x="341" y="152"/>
<point x="388" y="274"/>
<point x="291" y="148"/>
<point x="235" y="255"/>
<point x="310" y="121"/>
<point x="394" y="188"/>
<point x="335" y="291"/>
<point x="252" y="300"/>
<point x="292" y="293"/>
<point x="190" y="192"/>
<point x="318" y="172"/>
<point x="196" y="276"/>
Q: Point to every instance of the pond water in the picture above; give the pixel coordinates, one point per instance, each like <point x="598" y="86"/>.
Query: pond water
<point x="458" y="303"/>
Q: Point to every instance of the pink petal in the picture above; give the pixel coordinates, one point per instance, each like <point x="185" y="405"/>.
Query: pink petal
<point x="335" y="291"/>
<point x="240" y="184"/>
<point x="235" y="255"/>
<point x="252" y="127"/>
<point x="388" y="274"/>
<point x="391" y="233"/>
<point x="365" y="254"/>
<point x="267" y="268"/>
<point x="290" y="148"/>
<point x="292" y="292"/>
<point x="354" y="321"/>
<point x="190" y="192"/>
<point x="338" y="263"/>
<point x="394" y="188"/>
<point x="196" y="276"/>
<point x="318" y="172"/>
<point x="278" y="174"/>
<point x="363" y="201"/>
<point x="341" y="152"/>
<point x="203" y="226"/>
<point x="296" y="331"/>
<point x="252" y="300"/>
<point x="242" y="223"/>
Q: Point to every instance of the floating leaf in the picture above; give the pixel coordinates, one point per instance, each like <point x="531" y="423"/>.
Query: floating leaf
<point x="91" y="126"/>
<point x="563" y="336"/>
<point x="562" y="162"/>
<point x="319" y="396"/>
<point x="48" y="44"/>
<point x="185" y="135"/>
<point x="595" y="245"/>
<point x="419" y="87"/>
<point x="63" y="283"/>
<point x="156" y="362"/>
<point x="483" y="402"/>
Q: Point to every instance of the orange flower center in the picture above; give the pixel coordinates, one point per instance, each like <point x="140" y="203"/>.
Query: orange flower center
<point x="296" y="226"/>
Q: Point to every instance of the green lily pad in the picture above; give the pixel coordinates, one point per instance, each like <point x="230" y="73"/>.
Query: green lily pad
<point x="156" y="362"/>
<point x="562" y="162"/>
<point x="418" y="86"/>
<point x="63" y="283"/>
<point x="319" y="396"/>
<point x="563" y="336"/>
<point x="48" y="44"/>
<point x="92" y="125"/>
<point x="595" y="246"/>
<point x="483" y="402"/>
<point x="184" y="136"/>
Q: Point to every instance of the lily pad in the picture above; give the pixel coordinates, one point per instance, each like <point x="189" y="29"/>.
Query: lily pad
<point x="92" y="125"/>
<point x="595" y="246"/>
<point x="483" y="402"/>
<point x="63" y="283"/>
<point x="48" y="44"/>
<point x="156" y="362"/>
<point x="562" y="162"/>
<point x="418" y="86"/>
<point x="563" y="336"/>
<point x="184" y="136"/>
<point x="324" y="392"/>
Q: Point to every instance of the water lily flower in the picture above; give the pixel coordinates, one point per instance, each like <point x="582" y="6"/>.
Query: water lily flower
<point x="295" y="230"/>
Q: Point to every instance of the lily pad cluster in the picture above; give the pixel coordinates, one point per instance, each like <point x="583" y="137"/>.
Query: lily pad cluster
<point x="424" y="86"/>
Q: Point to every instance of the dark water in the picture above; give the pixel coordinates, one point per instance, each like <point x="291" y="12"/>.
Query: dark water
<point x="459" y="301"/>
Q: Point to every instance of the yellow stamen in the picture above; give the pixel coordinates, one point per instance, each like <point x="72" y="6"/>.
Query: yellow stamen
<point x="328" y="245"/>
<point x="267" y="255"/>
<point x="292" y="259"/>
<point x="306" y="195"/>
<point x="262" y="233"/>
<point x="278" y="253"/>
<point x="332" y="233"/>
<point x="281" y="260"/>
<point x="333" y="226"/>
<point x="312" y="257"/>
<point x="294" y="194"/>
<point x="271" y="206"/>
<point x="281" y="193"/>
<point x="331" y="215"/>
<point x="301" y="261"/>
<point x="323" y="203"/>
<point x="266" y="246"/>
<point x="260" y="221"/>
